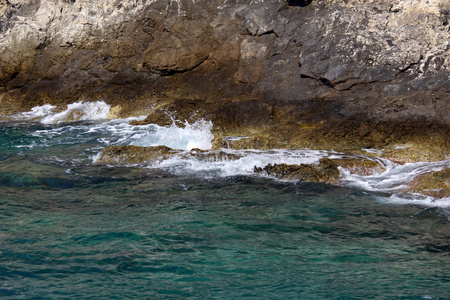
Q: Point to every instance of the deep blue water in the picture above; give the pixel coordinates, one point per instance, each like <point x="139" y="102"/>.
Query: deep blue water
<point x="71" y="229"/>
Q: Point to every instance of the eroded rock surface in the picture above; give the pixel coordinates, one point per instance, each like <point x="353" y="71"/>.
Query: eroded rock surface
<point x="326" y="171"/>
<point x="127" y="155"/>
<point x="435" y="184"/>
<point x="326" y="74"/>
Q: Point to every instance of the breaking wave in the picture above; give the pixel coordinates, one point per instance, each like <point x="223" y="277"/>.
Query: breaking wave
<point x="196" y="135"/>
<point x="388" y="186"/>
<point x="79" y="111"/>
<point x="392" y="184"/>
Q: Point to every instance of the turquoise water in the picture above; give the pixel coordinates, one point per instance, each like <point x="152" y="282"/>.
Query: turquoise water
<point x="71" y="229"/>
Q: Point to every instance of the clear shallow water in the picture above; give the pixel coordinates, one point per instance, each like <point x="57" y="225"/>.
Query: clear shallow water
<point x="70" y="229"/>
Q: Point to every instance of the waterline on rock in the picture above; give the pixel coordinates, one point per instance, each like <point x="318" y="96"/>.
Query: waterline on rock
<point x="62" y="141"/>
<point x="230" y="162"/>
<point x="395" y="176"/>
<point x="192" y="221"/>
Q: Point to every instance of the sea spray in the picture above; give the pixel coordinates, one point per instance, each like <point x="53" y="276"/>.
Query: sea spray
<point x="79" y="111"/>
<point x="36" y="113"/>
<point x="81" y="142"/>
<point x="196" y="135"/>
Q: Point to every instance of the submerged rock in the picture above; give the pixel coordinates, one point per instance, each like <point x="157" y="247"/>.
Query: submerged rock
<point x="438" y="214"/>
<point x="435" y="184"/>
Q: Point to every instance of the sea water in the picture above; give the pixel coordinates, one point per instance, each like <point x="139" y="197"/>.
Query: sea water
<point x="202" y="228"/>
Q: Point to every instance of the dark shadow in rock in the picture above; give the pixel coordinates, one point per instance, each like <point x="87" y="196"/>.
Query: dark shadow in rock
<point x="301" y="3"/>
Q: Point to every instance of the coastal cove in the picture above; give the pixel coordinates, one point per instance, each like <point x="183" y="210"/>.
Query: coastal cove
<point x="224" y="149"/>
<point x="193" y="226"/>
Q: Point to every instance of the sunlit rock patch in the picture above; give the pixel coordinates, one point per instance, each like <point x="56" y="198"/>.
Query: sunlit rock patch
<point x="126" y="155"/>
<point x="435" y="184"/>
<point x="326" y="171"/>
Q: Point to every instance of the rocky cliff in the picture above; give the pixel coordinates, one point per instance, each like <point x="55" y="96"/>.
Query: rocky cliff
<point x="320" y="73"/>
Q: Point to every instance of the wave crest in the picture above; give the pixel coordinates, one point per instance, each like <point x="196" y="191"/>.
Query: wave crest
<point x="79" y="111"/>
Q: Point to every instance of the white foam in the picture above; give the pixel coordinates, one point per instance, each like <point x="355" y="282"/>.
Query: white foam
<point x="79" y="111"/>
<point x="36" y="113"/>
<point x="196" y="135"/>
<point x="415" y="199"/>
<point x="396" y="177"/>
<point x="243" y="163"/>
<point x="111" y="132"/>
<point x="374" y="151"/>
<point x="395" y="180"/>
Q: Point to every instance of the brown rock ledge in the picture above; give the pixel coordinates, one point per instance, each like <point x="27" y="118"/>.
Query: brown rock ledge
<point x="320" y="74"/>
<point x="329" y="124"/>
<point x="128" y="155"/>
<point x="435" y="184"/>
<point x="325" y="171"/>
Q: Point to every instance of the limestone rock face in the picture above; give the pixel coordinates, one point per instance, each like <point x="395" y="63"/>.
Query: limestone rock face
<point x="270" y="48"/>
<point x="181" y="49"/>
<point x="378" y="41"/>
<point x="374" y="71"/>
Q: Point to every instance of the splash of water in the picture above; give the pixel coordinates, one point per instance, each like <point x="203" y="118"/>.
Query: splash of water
<point x="79" y="111"/>
<point x="196" y="135"/>
<point x="36" y="113"/>
<point x="389" y="186"/>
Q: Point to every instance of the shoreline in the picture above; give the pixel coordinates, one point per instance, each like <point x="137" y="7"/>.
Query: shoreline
<point x="141" y="143"/>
